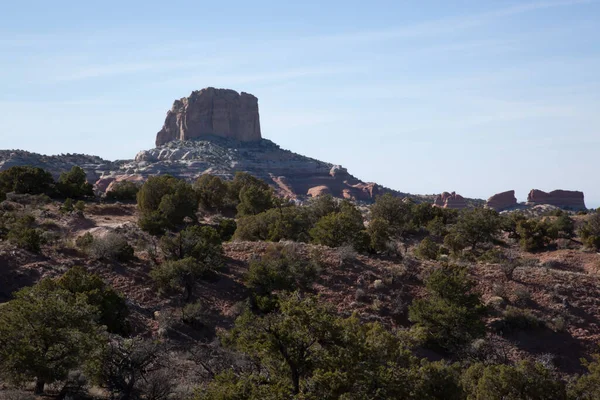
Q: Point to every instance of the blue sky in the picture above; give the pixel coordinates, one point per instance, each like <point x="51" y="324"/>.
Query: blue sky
<point x="421" y="96"/>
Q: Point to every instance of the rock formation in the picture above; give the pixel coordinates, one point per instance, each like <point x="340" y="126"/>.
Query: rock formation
<point x="450" y="200"/>
<point x="212" y="112"/>
<point x="568" y="199"/>
<point x="502" y="201"/>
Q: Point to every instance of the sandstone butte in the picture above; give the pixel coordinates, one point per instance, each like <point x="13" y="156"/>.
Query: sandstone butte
<point x="569" y="199"/>
<point x="450" y="200"/>
<point x="212" y="112"/>
<point x="502" y="201"/>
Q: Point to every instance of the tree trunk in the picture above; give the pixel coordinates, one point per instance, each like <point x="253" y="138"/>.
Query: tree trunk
<point x="296" y="380"/>
<point x="39" y="386"/>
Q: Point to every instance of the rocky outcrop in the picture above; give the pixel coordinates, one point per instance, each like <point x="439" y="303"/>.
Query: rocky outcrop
<point x="502" y="201"/>
<point x="569" y="199"/>
<point x="450" y="200"/>
<point x="212" y="112"/>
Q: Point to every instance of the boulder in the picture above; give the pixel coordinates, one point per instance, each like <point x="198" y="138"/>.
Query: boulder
<point x="212" y="112"/>
<point x="569" y="199"/>
<point x="502" y="201"/>
<point x="450" y="200"/>
<point x="317" y="191"/>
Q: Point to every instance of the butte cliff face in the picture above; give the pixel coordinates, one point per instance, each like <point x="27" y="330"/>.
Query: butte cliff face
<point x="502" y="201"/>
<point x="212" y="112"/>
<point x="450" y="200"/>
<point x="569" y="199"/>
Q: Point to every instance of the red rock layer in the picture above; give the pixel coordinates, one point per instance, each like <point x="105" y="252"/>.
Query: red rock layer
<point x="502" y="201"/>
<point x="570" y="199"/>
<point x="450" y="200"/>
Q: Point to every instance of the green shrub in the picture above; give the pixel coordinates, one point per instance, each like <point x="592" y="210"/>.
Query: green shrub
<point x="474" y="227"/>
<point x="212" y="192"/>
<point x="533" y="234"/>
<point x="342" y="228"/>
<point x="84" y="241"/>
<point x="281" y="268"/>
<point x="396" y="212"/>
<point x="164" y="202"/>
<point x="25" y="235"/>
<point x="427" y="249"/>
<point x="26" y="180"/>
<point x="226" y="228"/>
<point x="111" y="246"/>
<point x="255" y="200"/>
<point x="590" y="231"/>
<point x="202" y="243"/>
<point x="379" y="235"/>
<point x="112" y="307"/>
<point x="526" y="380"/>
<point x="516" y="319"/>
<point x="452" y="313"/>
<point x="123" y="191"/>
<point x="285" y="223"/>
<point x="74" y="184"/>
<point x="67" y="206"/>
<point x="45" y="332"/>
<point x="179" y="274"/>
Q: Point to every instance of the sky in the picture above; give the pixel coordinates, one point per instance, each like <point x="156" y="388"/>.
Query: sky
<point x="425" y="96"/>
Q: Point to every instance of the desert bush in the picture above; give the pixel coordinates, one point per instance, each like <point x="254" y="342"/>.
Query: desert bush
<point x="26" y="180"/>
<point x="474" y="227"/>
<point x="123" y="191"/>
<point x="526" y="380"/>
<point x="212" y="192"/>
<point x="25" y="235"/>
<point x="164" y="202"/>
<point x="226" y="228"/>
<point x="255" y="200"/>
<point x="341" y="228"/>
<point x="111" y="306"/>
<point x="45" y="332"/>
<point x="587" y="386"/>
<point x="193" y="314"/>
<point x="285" y="223"/>
<point x="534" y="234"/>
<point x="515" y="319"/>
<point x="74" y="184"/>
<point x="379" y="234"/>
<point x="84" y="241"/>
<point x="179" y="274"/>
<point x="590" y="231"/>
<point x="202" y="243"/>
<point x="427" y="249"/>
<point x="395" y="212"/>
<point x="452" y="313"/>
<point x="281" y="268"/>
<point x="111" y="246"/>
<point x="67" y="206"/>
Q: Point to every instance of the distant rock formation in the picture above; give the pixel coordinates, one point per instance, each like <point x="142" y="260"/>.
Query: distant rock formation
<point x="212" y="112"/>
<point x="502" y="201"/>
<point x="450" y="200"/>
<point x="569" y="199"/>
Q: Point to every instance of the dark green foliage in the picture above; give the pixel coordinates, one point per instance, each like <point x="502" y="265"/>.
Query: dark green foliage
<point x="226" y="228"/>
<point x="74" y="184"/>
<point x="308" y="353"/>
<point x="287" y="223"/>
<point x="321" y="206"/>
<point x="534" y="234"/>
<point x="255" y="200"/>
<point x="396" y="212"/>
<point x="281" y="268"/>
<point x="111" y="306"/>
<point x="428" y="249"/>
<point x="154" y="223"/>
<point x="67" y="206"/>
<point x="84" y="240"/>
<point x="26" y="180"/>
<point x="341" y="228"/>
<point x="474" y="227"/>
<point x="526" y="380"/>
<point x="564" y="226"/>
<point x="452" y="313"/>
<point x="379" y="234"/>
<point x="212" y="192"/>
<point x="587" y="387"/>
<point x="240" y="181"/>
<point x="510" y="222"/>
<point x="516" y="319"/>
<point x="123" y="191"/>
<point x="45" y="332"/>
<point x="164" y="202"/>
<point x="180" y="274"/>
<point x="203" y="243"/>
<point x="25" y="235"/>
<point x="590" y="231"/>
